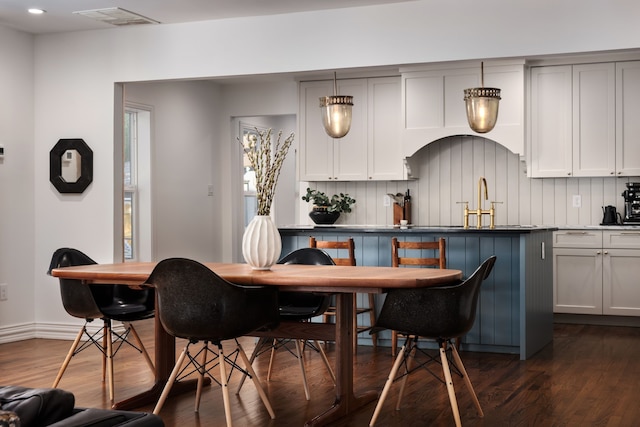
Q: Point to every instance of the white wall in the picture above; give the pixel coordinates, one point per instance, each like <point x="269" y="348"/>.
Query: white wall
<point x="185" y="220"/>
<point x="74" y="76"/>
<point x="17" y="239"/>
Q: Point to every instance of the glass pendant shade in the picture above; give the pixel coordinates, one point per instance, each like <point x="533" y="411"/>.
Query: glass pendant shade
<point x="482" y="108"/>
<point x="336" y="114"/>
<point x="482" y="105"/>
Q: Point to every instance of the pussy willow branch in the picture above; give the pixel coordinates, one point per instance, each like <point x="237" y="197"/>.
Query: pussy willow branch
<point x="266" y="167"/>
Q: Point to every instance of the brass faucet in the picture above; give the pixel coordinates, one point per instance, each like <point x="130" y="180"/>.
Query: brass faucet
<point x="479" y="211"/>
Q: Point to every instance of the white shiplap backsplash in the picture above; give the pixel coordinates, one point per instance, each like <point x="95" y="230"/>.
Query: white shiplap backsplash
<point x="449" y="171"/>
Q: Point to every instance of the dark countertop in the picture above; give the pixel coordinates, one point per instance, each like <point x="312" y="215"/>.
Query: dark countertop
<point x="350" y="228"/>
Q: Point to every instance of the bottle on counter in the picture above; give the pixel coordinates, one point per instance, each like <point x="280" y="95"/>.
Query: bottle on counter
<point x="407" y="207"/>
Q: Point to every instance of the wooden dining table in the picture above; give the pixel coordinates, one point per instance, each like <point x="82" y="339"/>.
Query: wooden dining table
<point x="343" y="281"/>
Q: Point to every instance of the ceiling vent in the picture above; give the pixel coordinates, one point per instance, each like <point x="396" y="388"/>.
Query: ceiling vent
<point x="116" y="16"/>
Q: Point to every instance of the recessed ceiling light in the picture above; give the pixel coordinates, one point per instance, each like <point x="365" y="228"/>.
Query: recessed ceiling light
<point x="35" y="11"/>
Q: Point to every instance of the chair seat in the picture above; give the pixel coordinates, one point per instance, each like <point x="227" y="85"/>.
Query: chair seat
<point x="125" y="312"/>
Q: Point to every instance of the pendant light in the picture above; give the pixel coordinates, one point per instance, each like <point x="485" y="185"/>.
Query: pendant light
<point x="336" y="112"/>
<point x="482" y="105"/>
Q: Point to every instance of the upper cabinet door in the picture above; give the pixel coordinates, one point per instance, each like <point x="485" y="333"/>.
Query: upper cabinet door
<point x="551" y="122"/>
<point x="594" y="134"/>
<point x="350" y="151"/>
<point x="628" y="118"/>
<point x="384" y="161"/>
<point x="316" y="147"/>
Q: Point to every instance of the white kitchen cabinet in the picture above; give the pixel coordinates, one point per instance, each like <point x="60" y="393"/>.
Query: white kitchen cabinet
<point x="627" y="118"/>
<point x="576" y="118"/>
<point x="596" y="272"/>
<point x="594" y="120"/>
<point x="370" y="150"/>
<point x="551" y="122"/>
<point x="323" y="158"/>
<point x="433" y="103"/>
<point x="577" y="272"/>
<point x="384" y="161"/>
<point x="621" y="273"/>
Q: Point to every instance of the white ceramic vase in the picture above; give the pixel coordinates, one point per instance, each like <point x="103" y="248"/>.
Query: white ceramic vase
<point x="261" y="243"/>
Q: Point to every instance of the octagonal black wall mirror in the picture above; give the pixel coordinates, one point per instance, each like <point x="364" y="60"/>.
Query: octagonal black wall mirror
<point x="71" y="165"/>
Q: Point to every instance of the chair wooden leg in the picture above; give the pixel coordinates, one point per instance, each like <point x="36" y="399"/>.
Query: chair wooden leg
<point x="170" y="381"/>
<point x="203" y="369"/>
<point x="299" y="352"/>
<point x="387" y="386"/>
<point x="67" y="359"/>
<point x="412" y="355"/>
<point x="326" y="361"/>
<point x="105" y="333"/>
<point x="142" y="349"/>
<point x="394" y="342"/>
<point x="272" y="357"/>
<point x="259" y="345"/>
<point x="225" y="386"/>
<point x="449" y="383"/>
<point x="467" y="381"/>
<point x="110" y="365"/>
<point x="256" y="381"/>
<point x="372" y="319"/>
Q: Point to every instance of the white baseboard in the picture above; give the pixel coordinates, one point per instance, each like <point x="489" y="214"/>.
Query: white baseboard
<point x="51" y="331"/>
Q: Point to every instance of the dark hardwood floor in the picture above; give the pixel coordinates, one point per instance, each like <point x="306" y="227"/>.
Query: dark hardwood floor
<point x="588" y="376"/>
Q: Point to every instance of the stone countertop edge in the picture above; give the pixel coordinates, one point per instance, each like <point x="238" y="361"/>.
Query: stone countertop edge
<point x="344" y="228"/>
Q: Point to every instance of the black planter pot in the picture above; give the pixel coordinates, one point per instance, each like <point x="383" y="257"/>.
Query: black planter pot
<point x="322" y="216"/>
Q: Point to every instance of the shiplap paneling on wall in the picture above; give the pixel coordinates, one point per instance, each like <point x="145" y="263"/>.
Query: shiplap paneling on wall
<point x="449" y="170"/>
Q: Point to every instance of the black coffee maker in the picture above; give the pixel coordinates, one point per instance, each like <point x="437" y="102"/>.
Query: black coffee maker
<point x="632" y="202"/>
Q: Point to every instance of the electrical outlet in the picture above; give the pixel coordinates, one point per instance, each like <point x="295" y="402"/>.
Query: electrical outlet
<point x="3" y="292"/>
<point x="386" y="201"/>
<point x="210" y="190"/>
<point x="577" y="201"/>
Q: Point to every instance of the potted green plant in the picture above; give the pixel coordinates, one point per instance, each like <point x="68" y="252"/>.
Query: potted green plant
<point x="327" y="210"/>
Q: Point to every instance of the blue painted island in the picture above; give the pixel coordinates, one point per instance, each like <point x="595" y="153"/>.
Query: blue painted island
<point x="515" y="309"/>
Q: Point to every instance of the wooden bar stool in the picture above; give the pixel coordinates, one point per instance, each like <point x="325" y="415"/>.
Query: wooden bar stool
<point x="438" y="261"/>
<point x="359" y="328"/>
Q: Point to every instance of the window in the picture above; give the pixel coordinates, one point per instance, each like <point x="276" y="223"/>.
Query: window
<point x="130" y="181"/>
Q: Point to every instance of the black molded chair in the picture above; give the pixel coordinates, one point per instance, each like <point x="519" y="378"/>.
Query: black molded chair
<point x="298" y="306"/>
<point x="196" y="304"/>
<point x="106" y="302"/>
<point x="442" y="313"/>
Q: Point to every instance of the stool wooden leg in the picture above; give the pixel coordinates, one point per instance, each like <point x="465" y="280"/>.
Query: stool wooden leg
<point x="372" y="319"/>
